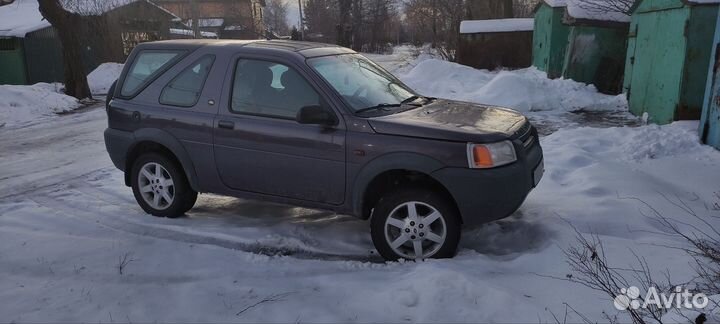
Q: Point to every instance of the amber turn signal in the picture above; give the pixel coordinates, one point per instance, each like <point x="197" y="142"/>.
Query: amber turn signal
<point x="483" y="156"/>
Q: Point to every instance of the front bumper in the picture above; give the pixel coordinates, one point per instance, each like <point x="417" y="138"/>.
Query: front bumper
<point x="485" y="195"/>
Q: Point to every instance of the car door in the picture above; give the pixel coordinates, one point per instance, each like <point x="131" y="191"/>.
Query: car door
<point x="259" y="146"/>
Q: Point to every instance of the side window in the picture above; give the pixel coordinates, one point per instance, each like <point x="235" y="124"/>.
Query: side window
<point x="270" y="89"/>
<point x="146" y="66"/>
<point x="185" y="89"/>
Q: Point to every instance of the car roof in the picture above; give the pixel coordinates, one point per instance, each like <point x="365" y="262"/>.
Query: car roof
<point x="306" y="49"/>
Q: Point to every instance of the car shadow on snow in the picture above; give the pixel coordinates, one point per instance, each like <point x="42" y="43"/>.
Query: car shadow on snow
<point x="507" y="238"/>
<point x="241" y="211"/>
<point x="550" y="123"/>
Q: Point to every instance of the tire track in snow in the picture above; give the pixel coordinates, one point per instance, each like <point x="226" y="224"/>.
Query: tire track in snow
<point x="114" y="221"/>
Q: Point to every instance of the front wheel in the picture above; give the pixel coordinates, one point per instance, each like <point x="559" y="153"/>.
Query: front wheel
<point x="160" y="186"/>
<point x="415" y="224"/>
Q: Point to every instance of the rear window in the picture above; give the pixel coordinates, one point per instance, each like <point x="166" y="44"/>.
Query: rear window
<point x="185" y="89"/>
<point x="147" y="65"/>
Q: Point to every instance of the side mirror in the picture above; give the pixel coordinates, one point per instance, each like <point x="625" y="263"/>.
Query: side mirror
<point x="316" y="115"/>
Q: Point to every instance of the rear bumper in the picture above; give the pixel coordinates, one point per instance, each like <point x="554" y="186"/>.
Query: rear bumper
<point x="118" y="143"/>
<point x="485" y="195"/>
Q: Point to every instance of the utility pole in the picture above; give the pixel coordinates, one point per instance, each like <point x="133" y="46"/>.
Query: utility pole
<point x="302" y="21"/>
<point x="434" y="23"/>
<point x="195" y="20"/>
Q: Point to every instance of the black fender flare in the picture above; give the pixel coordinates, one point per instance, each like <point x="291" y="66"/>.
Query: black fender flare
<point x="173" y="145"/>
<point x="388" y="162"/>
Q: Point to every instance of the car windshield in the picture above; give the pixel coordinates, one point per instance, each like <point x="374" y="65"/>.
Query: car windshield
<point x="363" y="84"/>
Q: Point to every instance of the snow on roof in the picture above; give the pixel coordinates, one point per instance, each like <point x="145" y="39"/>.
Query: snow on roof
<point x="94" y="7"/>
<point x="235" y="27"/>
<point x="21" y="17"/>
<point x="208" y="22"/>
<point x="496" y="25"/>
<point x="555" y="3"/>
<point x="592" y="10"/>
<point x="587" y="9"/>
<point x="188" y="32"/>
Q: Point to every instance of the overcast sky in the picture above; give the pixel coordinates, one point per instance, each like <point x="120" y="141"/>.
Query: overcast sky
<point x="293" y="13"/>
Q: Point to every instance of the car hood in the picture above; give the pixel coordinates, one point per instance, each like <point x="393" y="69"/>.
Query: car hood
<point x="452" y="121"/>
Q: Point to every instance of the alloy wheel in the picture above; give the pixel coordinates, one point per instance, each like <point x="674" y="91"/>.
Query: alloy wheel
<point x="415" y="230"/>
<point x="156" y="185"/>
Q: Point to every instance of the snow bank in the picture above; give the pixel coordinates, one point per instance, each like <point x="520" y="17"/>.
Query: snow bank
<point x="636" y="144"/>
<point x="525" y="90"/>
<point x="103" y="77"/>
<point x="404" y="58"/>
<point x="23" y="104"/>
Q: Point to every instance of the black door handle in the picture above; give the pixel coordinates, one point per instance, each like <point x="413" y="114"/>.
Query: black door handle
<point x="226" y="124"/>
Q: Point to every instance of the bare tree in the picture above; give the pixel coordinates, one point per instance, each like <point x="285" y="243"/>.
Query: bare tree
<point x="436" y="22"/>
<point x="275" y="16"/>
<point x="524" y="8"/>
<point x="69" y="25"/>
<point x="606" y="6"/>
<point x="321" y="20"/>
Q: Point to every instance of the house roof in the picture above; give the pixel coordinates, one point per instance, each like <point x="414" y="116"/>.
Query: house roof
<point x="23" y="16"/>
<point x="688" y="2"/>
<point x="208" y="22"/>
<point x="582" y="10"/>
<point x="555" y="3"/>
<point x="497" y="25"/>
<point x="586" y="10"/>
<point x="188" y="32"/>
<point x="95" y="7"/>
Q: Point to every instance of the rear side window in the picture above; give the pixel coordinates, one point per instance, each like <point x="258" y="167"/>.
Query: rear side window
<point x="147" y="65"/>
<point x="185" y="89"/>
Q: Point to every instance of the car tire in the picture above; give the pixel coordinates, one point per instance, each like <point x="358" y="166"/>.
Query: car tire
<point x="436" y="226"/>
<point x="160" y="186"/>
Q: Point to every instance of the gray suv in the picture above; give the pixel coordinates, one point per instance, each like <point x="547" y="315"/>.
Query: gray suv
<point x="317" y="126"/>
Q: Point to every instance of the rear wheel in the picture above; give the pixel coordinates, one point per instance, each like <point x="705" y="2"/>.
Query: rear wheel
<point x="161" y="187"/>
<point x="415" y="224"/>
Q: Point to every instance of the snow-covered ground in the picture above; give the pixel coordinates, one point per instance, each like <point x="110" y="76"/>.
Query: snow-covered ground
<point x="67" y="222"/>
<point x="102" y="78"/>
<point x="23" y="105"/>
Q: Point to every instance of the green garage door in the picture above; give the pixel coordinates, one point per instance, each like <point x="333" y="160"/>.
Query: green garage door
<point x="658" y="65"/>
<point x="12" y="62"/>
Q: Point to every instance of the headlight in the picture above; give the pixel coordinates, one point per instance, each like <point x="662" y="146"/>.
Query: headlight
<point x="485" y="156"/>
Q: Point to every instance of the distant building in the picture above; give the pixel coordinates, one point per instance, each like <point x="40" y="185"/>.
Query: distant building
<point x="669" y="51"/>
<point x="229" y="19"/>
<point x="493" y="43"/>
<point x="31" y="52"/>
<point x="580" y="43"/>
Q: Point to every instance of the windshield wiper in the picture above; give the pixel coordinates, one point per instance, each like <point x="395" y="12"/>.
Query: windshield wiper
<point x="411" y="99"/>
<point x="383" y="106"/>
